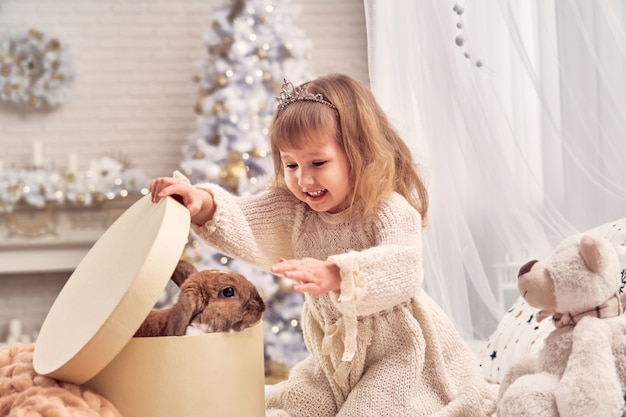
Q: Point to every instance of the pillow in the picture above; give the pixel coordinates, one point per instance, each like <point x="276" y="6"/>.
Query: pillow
<point x="518" y="333"/>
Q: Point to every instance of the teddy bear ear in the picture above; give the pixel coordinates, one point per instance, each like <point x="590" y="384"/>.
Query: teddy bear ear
<point x="591" y="253"/>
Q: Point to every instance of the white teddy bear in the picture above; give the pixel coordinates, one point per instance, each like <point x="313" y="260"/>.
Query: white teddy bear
<point x="581" y="369"/>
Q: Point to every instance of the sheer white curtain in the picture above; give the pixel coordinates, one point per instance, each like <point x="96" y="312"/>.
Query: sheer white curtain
<point x="517" y="113"/>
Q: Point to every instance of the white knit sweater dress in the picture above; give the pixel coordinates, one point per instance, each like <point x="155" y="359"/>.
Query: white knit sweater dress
<point x="379" y="346"/>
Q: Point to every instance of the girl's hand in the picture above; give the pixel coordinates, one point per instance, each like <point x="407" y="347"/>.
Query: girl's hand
<point x="199" y="202"/>
<point x="316" y="277"/>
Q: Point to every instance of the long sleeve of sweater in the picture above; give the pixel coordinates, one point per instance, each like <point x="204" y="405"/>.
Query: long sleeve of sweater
<point x="256" y="229"/>
<point x="386" y="273"/>
<point x="390" y="271"/>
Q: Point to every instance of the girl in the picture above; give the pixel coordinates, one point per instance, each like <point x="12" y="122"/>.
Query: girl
<point x="343" y="219"/>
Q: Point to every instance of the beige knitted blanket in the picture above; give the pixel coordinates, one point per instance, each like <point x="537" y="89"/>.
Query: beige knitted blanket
<point x="24" y="393"/>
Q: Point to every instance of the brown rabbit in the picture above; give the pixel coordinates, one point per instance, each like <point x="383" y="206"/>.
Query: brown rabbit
<point x="209" y="301"/>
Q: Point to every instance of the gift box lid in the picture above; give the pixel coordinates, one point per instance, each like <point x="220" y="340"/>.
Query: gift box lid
<point x="112" y="290"/>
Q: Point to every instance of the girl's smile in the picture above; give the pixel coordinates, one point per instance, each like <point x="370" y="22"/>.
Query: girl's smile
<point x="316" y="193"/>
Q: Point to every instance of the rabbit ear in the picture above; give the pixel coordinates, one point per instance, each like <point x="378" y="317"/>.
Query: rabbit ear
<point x="183" y="270"/>
<point x="181" y="314"/>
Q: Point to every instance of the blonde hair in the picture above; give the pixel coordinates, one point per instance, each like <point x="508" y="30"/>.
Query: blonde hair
<point x="380" y="161"/>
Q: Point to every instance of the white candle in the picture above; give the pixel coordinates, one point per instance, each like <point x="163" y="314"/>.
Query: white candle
<point x="37" y="153"/>
<point x="72" y="166"/>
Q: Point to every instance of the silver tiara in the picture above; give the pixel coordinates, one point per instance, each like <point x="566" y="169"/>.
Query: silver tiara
<point x="290" y="94"/>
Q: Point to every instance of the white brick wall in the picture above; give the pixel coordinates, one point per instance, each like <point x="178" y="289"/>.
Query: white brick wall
<point x="135" y="62"/>
<point x="134" y="92"/>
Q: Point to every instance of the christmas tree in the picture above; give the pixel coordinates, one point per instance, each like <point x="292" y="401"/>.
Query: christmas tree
<point x="252" y="47"/>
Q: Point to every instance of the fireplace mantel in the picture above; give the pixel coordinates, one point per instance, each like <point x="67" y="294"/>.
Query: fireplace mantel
<point x="54" y="238"/>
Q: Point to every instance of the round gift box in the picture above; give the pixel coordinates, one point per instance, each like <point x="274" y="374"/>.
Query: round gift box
<point x="87" y="336"/>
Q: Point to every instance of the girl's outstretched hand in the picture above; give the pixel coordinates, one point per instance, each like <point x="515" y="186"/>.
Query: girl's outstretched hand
<point x="199" y="202"/>
<point x="316" y="277"/>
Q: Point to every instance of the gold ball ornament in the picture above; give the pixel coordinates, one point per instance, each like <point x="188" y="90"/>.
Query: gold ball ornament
<point x="259" y="153"/>
<point x="35" y="34"/>
<point x="217" y="107"/>
<point x="285" y="51"/>
<point x="197" y="154"/>
<point x="233" y="171"/>
<point x="53" y="45"/>
<point x="69" y="177"/>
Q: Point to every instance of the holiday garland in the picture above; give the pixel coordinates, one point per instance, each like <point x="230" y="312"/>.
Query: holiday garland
<point x="107" y="178"/>
<point x="36" y="70"/>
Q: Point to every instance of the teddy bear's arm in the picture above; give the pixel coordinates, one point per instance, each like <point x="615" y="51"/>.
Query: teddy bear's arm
<point x="590" y="385"/>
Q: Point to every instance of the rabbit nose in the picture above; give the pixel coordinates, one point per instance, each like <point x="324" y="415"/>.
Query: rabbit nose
<point x="526" y="268"/>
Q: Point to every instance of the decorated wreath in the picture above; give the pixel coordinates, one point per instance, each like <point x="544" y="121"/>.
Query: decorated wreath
<point x="36" y="70"/>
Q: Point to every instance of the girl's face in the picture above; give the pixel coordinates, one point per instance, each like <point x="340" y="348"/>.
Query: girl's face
<point x="318" y="174"/>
